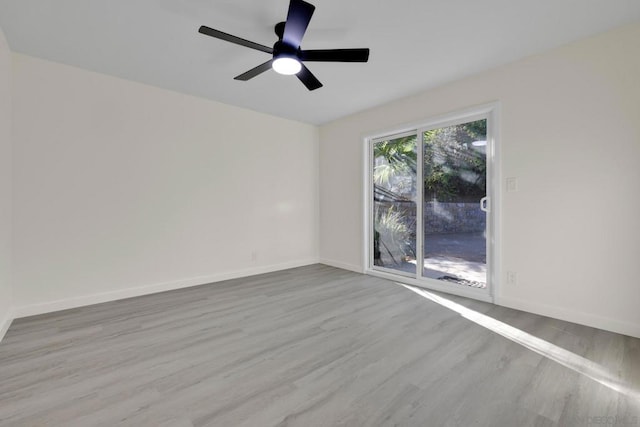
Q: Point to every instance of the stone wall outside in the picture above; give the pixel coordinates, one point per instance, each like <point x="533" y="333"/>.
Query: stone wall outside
<point x="444" y="218"/>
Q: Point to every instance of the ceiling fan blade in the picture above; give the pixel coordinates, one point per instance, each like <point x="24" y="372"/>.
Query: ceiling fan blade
<point x="254" y="71"/>
<point x="298" y="18"/>
<point x="233" y="39"/>
<point x="336" y="55"/>
<point x="308" y="79"/>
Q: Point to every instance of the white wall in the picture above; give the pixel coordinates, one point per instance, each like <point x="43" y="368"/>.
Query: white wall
<point x="570" y="130"/>
<point x="5" y="185"/>
<point x="122" y="189"/>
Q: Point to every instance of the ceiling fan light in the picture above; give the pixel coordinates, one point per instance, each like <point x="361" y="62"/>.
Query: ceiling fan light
<point x="286" y="65"/>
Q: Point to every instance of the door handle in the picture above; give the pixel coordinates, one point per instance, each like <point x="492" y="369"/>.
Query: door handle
<point x="484" y="204"/>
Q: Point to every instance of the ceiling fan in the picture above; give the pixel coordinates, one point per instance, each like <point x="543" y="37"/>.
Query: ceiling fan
<point x="288" y="57"/>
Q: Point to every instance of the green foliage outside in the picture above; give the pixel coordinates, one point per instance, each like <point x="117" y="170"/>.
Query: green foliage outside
<point x="454" y="169"/>
<point x="392" y="238"/>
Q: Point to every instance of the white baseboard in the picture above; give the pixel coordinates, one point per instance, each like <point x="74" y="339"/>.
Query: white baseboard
<point x="81" y="301"/>
<point x="5" y="323"/>
<point x="620" y="327"/>
<point x="599" y="322"/>
<point x="342" y="265"/>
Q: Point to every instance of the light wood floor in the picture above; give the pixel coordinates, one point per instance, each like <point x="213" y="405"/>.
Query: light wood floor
<point x="312" y="346"/>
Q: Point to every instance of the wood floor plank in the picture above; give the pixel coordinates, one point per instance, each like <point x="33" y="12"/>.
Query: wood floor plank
<point x="311" y="346"/>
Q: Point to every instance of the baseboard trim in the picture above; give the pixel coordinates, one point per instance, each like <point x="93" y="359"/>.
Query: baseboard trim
<point x="342" y="265"/>
<point x="573" y="316"/>
<point x="81" y="301"/>
<point x="5" y="323"/>
<point x="621" y="327"/>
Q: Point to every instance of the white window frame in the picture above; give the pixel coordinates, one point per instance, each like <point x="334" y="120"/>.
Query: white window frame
<point x="486" y="111"/>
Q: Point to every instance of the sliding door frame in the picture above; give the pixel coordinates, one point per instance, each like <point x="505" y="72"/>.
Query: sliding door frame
<point x="490" y="112"/>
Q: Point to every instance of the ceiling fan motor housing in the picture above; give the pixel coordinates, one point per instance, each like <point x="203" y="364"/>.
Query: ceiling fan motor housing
<point x="283" y="50"/>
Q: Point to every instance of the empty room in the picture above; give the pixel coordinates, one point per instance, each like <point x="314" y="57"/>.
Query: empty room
<point x="319" y="213"/>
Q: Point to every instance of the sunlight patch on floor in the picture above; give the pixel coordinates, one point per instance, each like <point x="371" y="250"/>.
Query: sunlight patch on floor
<point x="436" y="266"/>
<point x="558" y="354"/>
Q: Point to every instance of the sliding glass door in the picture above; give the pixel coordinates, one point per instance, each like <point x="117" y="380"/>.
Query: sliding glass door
<point x="429" y="204"/>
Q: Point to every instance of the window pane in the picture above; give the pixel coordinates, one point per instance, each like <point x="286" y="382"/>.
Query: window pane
<point x="394" y="207"/>
<point x="455" y="182"/>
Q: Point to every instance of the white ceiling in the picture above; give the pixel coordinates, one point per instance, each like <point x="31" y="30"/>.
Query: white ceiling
<point x="415" y="44"/>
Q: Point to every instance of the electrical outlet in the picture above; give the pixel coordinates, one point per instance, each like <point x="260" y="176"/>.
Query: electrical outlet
<point x="254" y="256"/>
<point x="512" y="184"/>
<point x="512" y="278"/>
